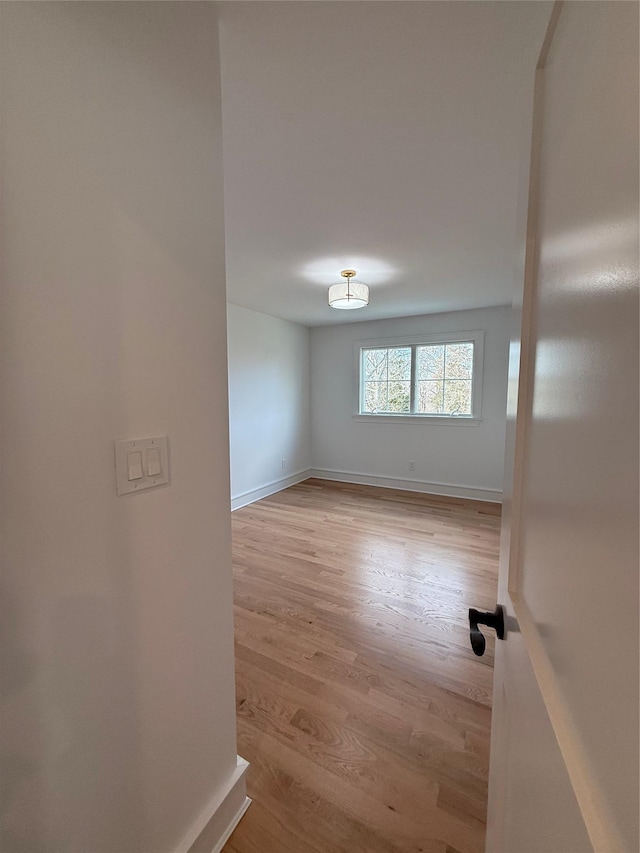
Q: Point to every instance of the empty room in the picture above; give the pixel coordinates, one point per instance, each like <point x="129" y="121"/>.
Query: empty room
<point x="377" y="158"/>
<point x="319" y="432"/>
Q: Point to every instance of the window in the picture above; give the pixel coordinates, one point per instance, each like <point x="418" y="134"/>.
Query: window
<point x="437" y="377"/>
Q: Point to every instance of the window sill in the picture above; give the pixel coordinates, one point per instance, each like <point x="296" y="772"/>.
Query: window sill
<point x="418" y="419"/>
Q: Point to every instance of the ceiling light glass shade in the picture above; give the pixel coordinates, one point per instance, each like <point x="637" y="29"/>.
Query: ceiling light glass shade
<point x="349" y="294"/>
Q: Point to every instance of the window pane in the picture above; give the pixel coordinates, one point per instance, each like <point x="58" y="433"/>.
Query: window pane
<point x="443" y="379"/>
<point x="375" y="397"/>
<point x="399" y="397"/>
<point x="399" y="363"/>
<point x="459" y="362"/>
<point x="430" y="362"/>
<point x="457" y="397"/>
<point x="375" y="365"/>
<point x="429" y="398"/>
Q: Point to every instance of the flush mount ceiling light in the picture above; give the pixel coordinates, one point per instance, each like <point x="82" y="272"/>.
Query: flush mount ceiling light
<point x="350" y="293"/>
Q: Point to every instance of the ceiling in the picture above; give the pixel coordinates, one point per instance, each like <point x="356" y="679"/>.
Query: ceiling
<point x="382" y="136"/>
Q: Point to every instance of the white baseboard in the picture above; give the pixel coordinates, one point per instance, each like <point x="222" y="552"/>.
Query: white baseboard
<point x="424" y="486"/>
<point x="219" y="818"/>
<point x="232" y="825"/>
<point x="271" y="488"/>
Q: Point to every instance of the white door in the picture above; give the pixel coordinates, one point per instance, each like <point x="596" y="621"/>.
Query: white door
<point x="564" y="764"/>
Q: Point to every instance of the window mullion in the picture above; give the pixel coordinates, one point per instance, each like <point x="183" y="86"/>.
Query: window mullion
<point x="414" y="373"/>
<point x="444" y="375"/>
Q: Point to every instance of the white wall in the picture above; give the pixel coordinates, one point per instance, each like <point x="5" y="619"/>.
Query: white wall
<point x="118" y="721"/>
<point x="450" y="459"/>
<point x="269" y="403"/>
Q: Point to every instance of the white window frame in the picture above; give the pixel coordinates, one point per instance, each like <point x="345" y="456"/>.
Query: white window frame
<point x="476" y="337"/>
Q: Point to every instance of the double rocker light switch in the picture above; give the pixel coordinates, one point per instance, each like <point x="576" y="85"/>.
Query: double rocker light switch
<point x="141" y="463"/>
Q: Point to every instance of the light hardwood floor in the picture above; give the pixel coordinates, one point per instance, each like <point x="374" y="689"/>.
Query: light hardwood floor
<point x="361" y="707"/>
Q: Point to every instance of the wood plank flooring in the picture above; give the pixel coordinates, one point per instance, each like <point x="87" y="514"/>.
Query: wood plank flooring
<point x="361" y="707"/>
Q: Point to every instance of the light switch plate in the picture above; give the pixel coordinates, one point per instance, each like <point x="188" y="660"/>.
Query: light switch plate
<point x="124" y="447"/>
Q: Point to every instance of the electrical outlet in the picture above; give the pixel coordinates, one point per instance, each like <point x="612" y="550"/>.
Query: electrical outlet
<point x="412" y="465"/>
<point x="284" y="464"/>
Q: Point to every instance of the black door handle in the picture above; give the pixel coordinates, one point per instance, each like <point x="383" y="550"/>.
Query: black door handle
<point x="492" y="620"/>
